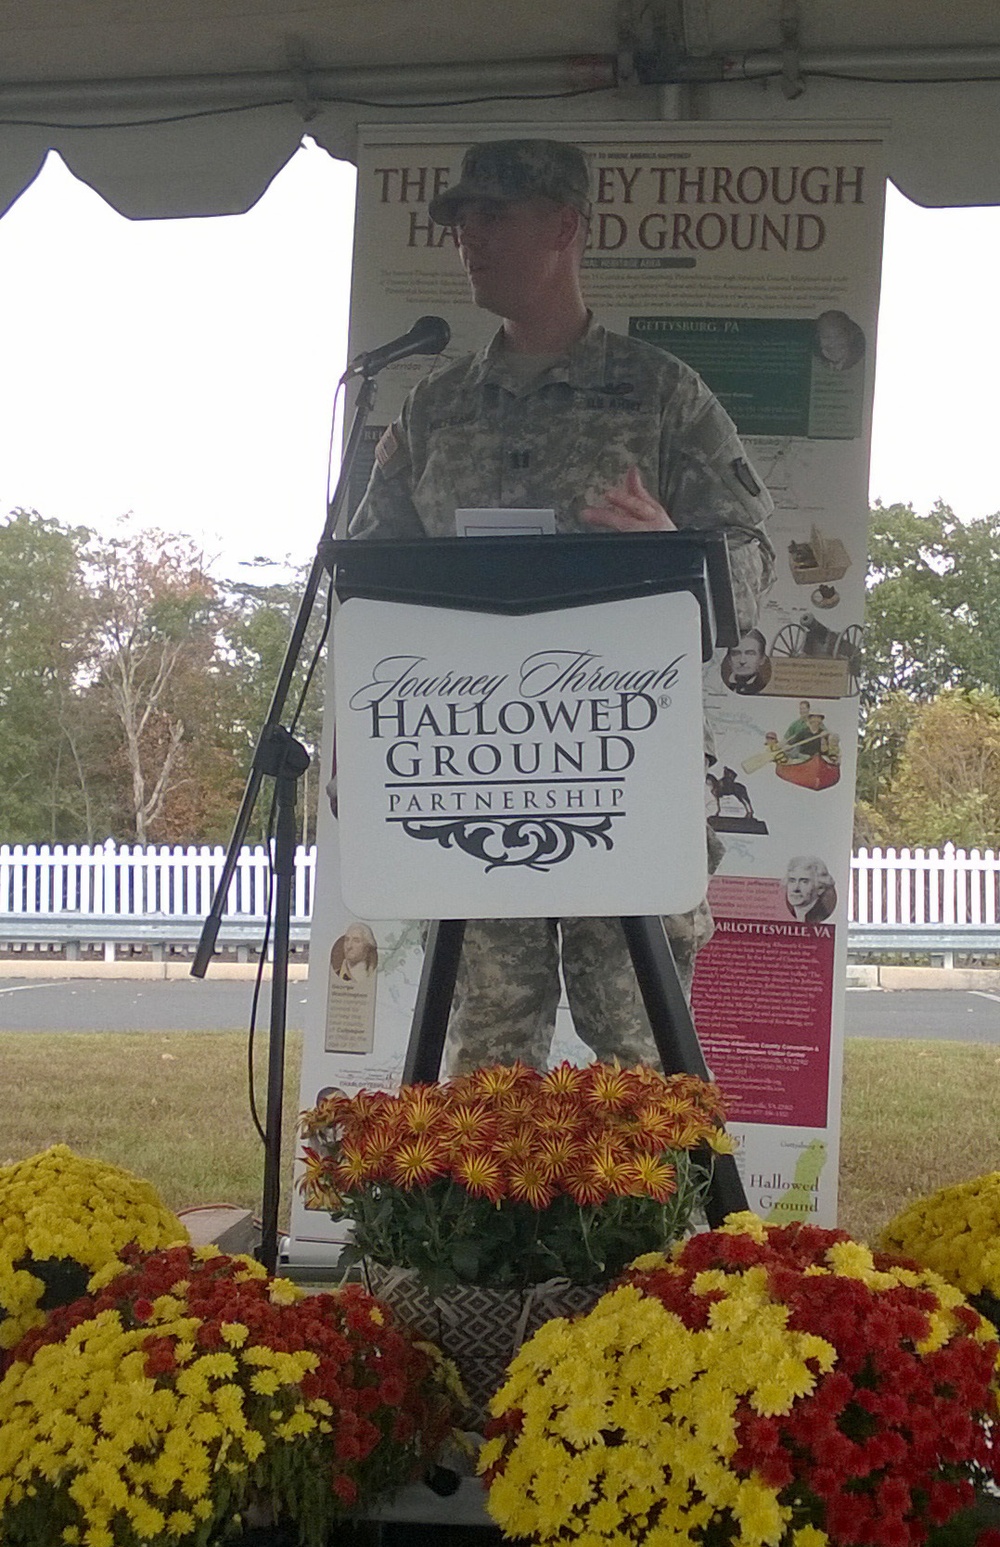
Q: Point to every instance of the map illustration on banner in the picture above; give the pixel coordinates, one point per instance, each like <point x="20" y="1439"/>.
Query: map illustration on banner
<point x="752" y="253"/>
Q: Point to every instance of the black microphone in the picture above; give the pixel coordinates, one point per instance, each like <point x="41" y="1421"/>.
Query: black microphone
<point x="428" y="336"/>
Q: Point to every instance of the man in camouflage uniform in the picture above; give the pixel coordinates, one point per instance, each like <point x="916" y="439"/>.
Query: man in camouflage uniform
<point x="614" y="434"/>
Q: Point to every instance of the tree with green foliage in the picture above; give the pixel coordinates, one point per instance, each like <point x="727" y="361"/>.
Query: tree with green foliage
<point x="932" y="628"/>
<point x="933" y="603"/>
<point x="884" y="729"/>
<point x="43" y="642"/>
<point x="261" y="616"/>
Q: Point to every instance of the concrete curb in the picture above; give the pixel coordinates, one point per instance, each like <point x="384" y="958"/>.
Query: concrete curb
<point x="41" y="967"/>
<point x="957" y="979"/>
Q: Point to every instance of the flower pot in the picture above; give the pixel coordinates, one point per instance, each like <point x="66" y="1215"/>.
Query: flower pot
<point x="480" y="1329"/>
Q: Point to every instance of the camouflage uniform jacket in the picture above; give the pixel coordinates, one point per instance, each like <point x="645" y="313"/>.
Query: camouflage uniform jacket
<point x="474" y="435"/>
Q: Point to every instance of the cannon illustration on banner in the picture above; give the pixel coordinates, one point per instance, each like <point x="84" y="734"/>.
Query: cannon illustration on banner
<point x="807" y="636"/>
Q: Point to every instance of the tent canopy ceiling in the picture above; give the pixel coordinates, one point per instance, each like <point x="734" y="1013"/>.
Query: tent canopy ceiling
<point x="47" y="40"/>
<point x="118" y="96"/>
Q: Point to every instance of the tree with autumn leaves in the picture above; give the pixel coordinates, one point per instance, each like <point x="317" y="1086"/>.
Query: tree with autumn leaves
<point x="132" y="685"/>
<point x="929" y="757"/>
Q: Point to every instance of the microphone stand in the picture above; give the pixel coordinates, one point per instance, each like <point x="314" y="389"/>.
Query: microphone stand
<point x="280" y="757"/>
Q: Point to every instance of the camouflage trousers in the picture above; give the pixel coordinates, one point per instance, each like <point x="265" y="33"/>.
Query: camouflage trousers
<point x="507" y="989"/>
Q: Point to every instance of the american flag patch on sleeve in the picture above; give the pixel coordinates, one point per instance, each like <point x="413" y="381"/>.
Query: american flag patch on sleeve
<point x="387" y="447"/>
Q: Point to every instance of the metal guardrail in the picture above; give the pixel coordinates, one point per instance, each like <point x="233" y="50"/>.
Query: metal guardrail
<point x="944" y="940"/>
<point x="73" y="933"/>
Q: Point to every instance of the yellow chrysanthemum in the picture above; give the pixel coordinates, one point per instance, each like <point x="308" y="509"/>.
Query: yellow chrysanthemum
<point x="956" y="1232"/>
<point x="60" y="1205"/>
<point x="284" y="1292"/>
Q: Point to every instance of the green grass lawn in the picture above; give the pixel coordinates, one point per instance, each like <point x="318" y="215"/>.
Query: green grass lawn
<point x="173" y="1107"/>
<point x="917" y="1116"/>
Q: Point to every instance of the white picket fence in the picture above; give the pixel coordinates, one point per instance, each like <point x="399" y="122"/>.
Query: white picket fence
<point x="914" y="887"/>
<point x="904" y="887"/>
<point x="133" y="882"/>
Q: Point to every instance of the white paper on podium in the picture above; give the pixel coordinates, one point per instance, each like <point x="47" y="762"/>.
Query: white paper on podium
<point x="505" y="523"/>
<point x="541" y="766"/>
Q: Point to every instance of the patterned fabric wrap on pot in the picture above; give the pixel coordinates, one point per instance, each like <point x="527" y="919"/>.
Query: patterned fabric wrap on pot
<point x="480" y="1329"/>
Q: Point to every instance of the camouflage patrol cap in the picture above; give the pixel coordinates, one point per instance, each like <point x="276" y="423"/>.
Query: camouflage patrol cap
<point x="506" y="170"/>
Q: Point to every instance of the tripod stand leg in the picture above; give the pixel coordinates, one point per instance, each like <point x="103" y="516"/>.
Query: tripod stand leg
<point x="677" y="1041"/>
<point x="434" y="996"/>
<point x="668" y="1010"/>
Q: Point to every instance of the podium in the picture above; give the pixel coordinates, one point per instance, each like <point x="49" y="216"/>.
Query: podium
<point x="519" y="734"/>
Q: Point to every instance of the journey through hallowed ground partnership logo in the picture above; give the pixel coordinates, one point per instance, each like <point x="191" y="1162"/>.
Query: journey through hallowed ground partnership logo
<point x="513" y="768"/>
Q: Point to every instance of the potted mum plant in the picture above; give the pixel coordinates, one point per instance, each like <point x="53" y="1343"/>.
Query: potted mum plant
<point x="64" y="1217"/>
<point x="189" y="1387"/>
<point x="761" y="1385"/>
<point x="956" y="1231"/>
<point x="484" y="1206"/>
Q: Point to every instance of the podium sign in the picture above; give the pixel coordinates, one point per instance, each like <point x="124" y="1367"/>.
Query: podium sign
<point x="544" y="765"/>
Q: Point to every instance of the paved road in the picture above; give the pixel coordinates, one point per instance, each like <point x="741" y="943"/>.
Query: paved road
<point x="937" y="1013"/>
<point x="82" y="1004"/>
<point x="121" y="1004"/>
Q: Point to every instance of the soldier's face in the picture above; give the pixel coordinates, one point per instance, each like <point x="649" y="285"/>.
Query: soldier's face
<point x="510" y="250"/>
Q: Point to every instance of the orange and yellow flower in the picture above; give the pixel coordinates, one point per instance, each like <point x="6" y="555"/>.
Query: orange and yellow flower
<point x="559" y="1154"/>
<point x="585" y="1188"/>
<point x="565" y="1080"/>
<point x="378" y="1142"/>
<point x="468" y="1120"/>
<point x="418" y="1161"/>
<point x="502" y="1079"/>
<point x="609" y="1087"/>
<point x="518" y="1145"/>
<point x="353" y="1166"/>
<point x="530" y="1183"/>
<point x="609" y="1164"/>
<point x="420" y="1109"/>
<point x="652" y="1177"/>
<point x="480" y="1174"/>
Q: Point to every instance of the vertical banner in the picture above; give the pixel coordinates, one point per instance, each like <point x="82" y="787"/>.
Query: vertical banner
<point x="753" y="253"/>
